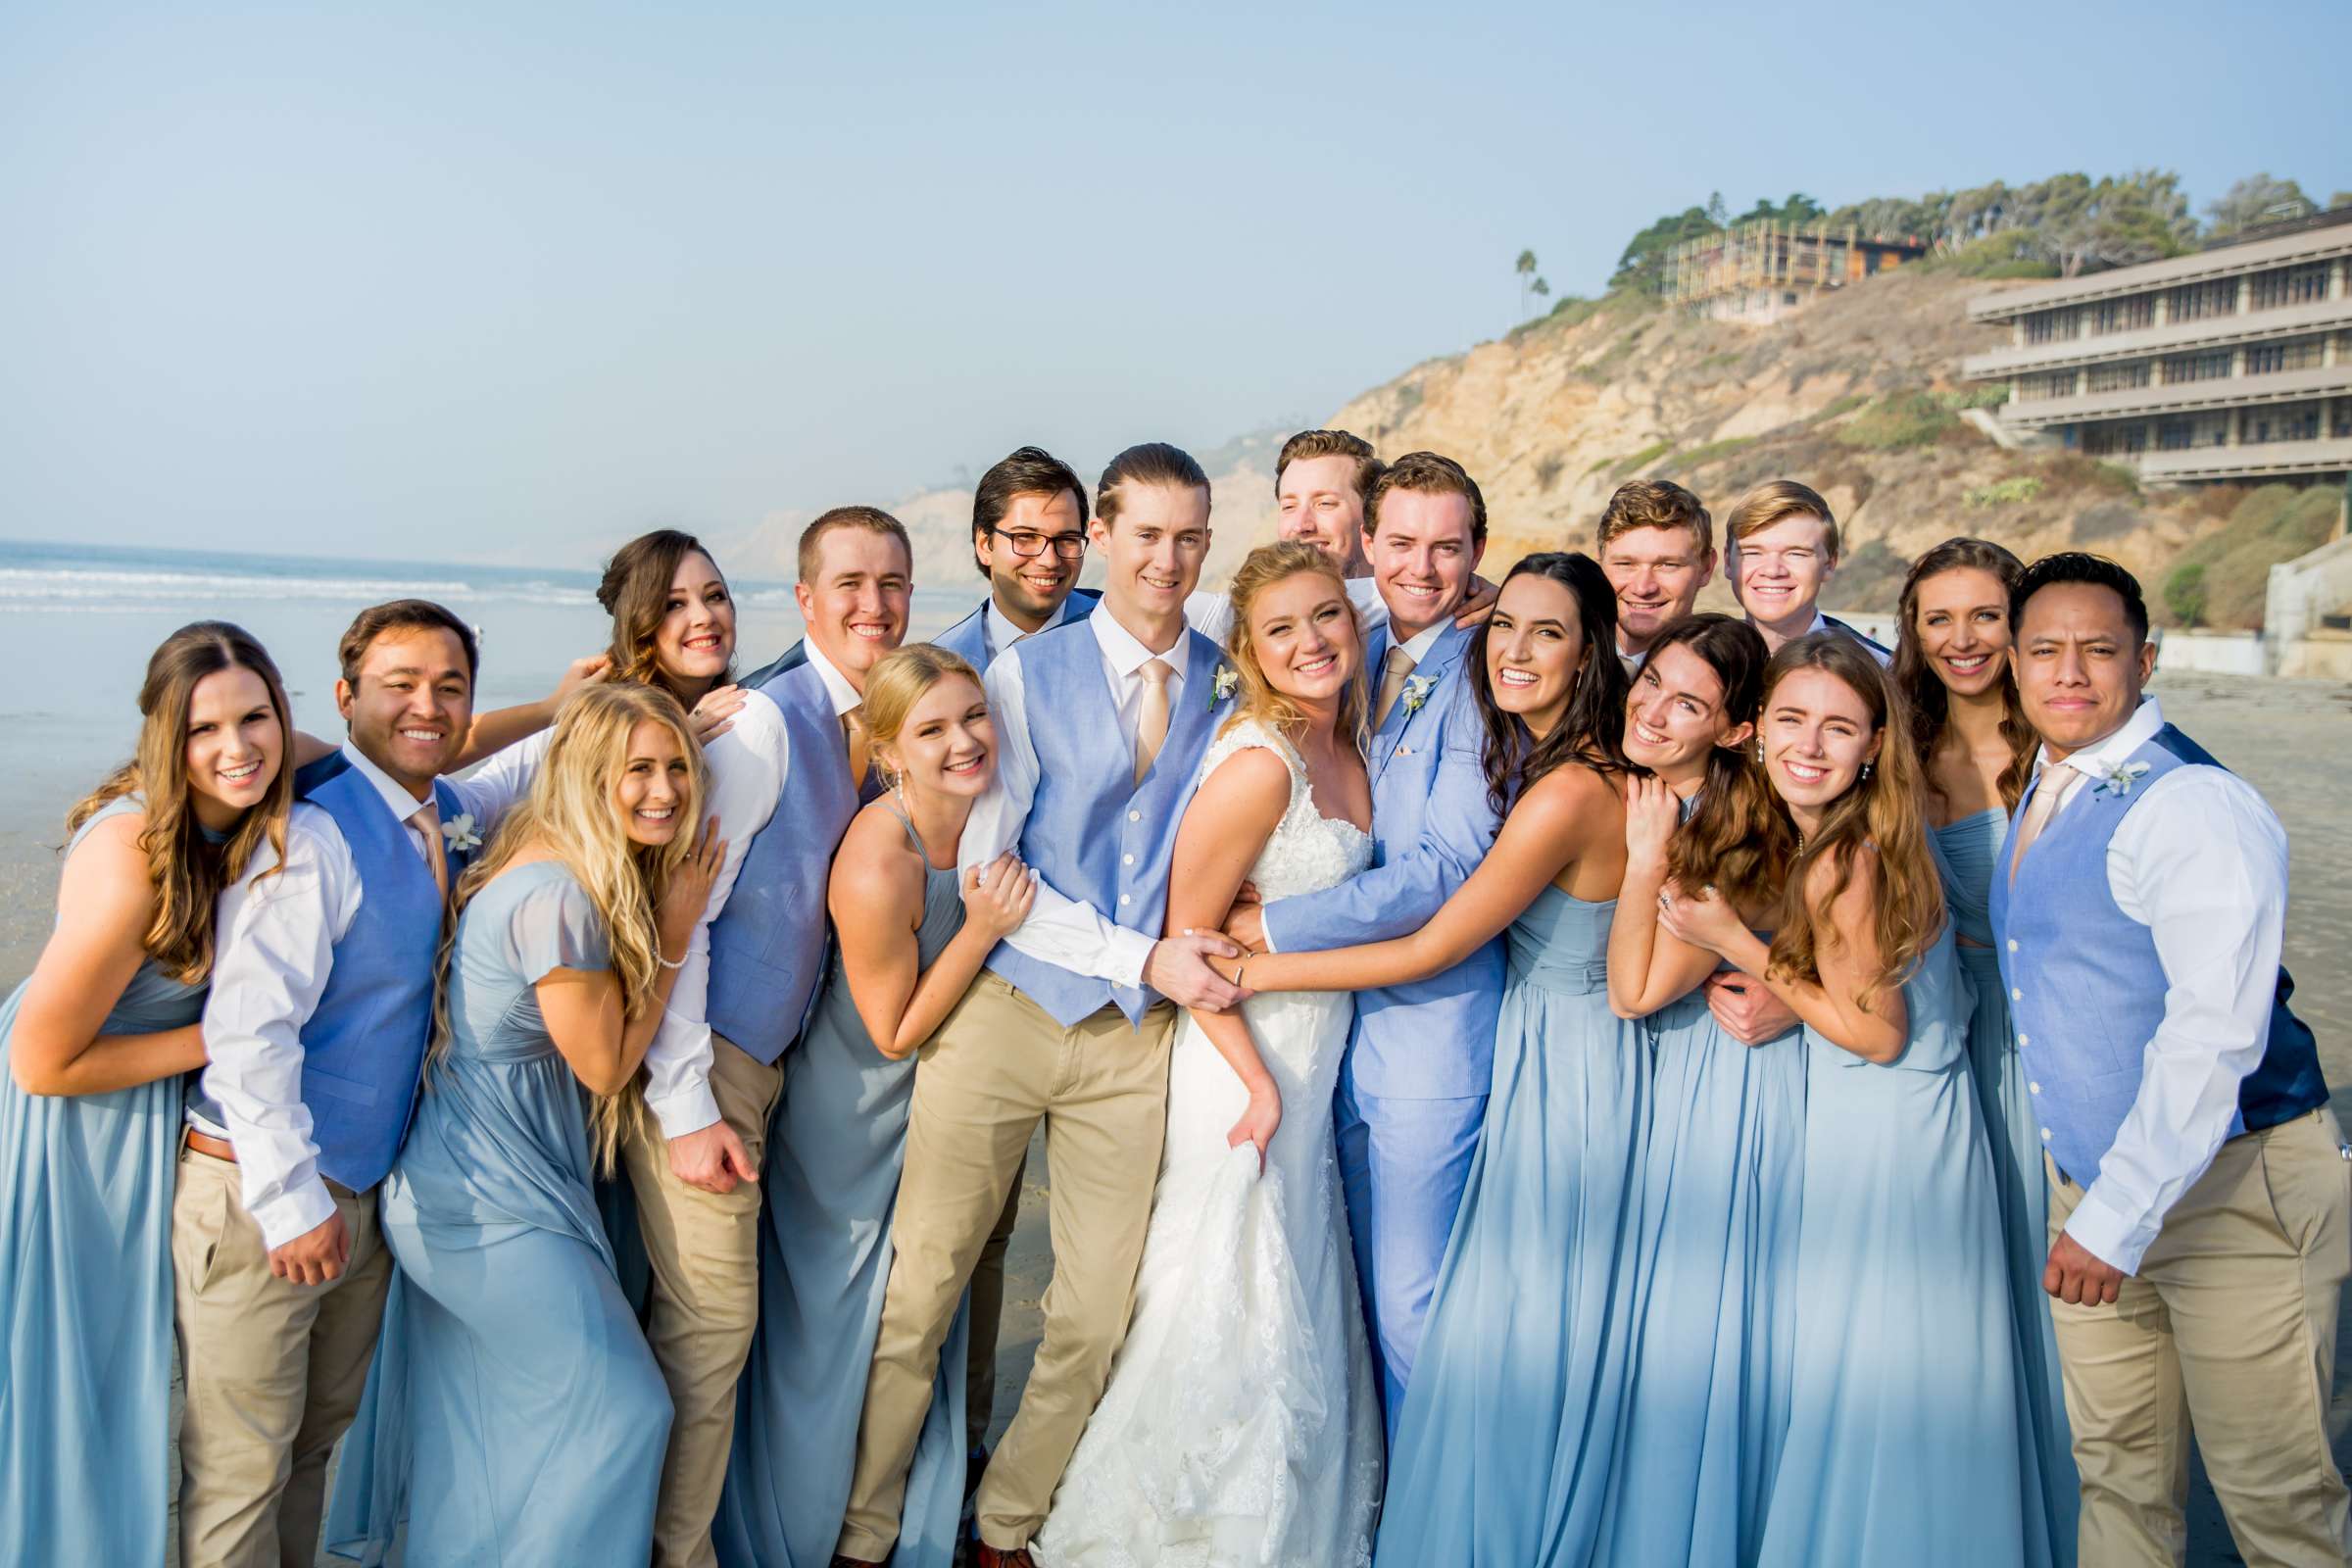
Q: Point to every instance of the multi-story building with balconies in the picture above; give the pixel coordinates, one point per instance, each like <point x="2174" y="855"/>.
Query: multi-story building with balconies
<point x="2234" y="362"/>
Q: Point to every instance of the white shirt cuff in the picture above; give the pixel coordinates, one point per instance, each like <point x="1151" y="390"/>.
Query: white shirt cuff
<point x="1129" y="952"/>
<point x="297" y="1211"/>
<point x="2107" y="1234"/>
<point x="684" y="1111"/>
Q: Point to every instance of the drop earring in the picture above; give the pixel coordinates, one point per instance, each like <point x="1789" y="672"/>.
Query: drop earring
<point x="1865" y="773"/>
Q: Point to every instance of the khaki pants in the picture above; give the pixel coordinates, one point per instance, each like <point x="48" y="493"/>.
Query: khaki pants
<point x="988" y="1316"/>
<point x="703" y="1248"/>
<point x="274" y="1371"/>
<point x="997" y="1066"/>
<point x="2228" y="1329"/>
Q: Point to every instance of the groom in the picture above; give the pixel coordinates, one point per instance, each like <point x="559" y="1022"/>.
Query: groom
<point x="1412" y="1092"/>
<point x="1101" y="729"/>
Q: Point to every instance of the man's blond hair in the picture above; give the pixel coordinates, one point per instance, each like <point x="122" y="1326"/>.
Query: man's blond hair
<point x="1655" y="504"/>
<point x="1777" y="501"/>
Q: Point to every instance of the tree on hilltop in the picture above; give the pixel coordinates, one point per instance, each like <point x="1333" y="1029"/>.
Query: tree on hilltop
<point x="1529" y="281"/>
<point x="2256" y="199"/>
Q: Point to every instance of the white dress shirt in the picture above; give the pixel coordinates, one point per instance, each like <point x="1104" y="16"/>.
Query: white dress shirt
<point x="997" y="631"/>
<point x="2201" y="861"/>
<point x="750" y="767"/>
<point x="275" y="948"/>
<point x="1417" y="647"/>
<point x="1211" y="609"/>
<point x="1061" y="930"/>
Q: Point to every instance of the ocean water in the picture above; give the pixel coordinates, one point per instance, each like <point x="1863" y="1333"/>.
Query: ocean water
<point x="77" y="623"/>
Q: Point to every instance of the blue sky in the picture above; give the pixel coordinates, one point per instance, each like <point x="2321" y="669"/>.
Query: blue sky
<point x="512" y="281"/>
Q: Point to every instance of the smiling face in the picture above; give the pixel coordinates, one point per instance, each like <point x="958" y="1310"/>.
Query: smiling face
<point x="1778" y="572"/>
<point x="1032" y="588"/>
<point x="1675" y="716"/>
<point x="1316" y="502"/>
<point x="946" y="745"/>
<point x="1657" y="573"/>
<point x="1535" y="647"/>
<point x="2079" y="667"/>
<point x="856" y="601"/>
<point x="654" y="784"/>
<point x="1423" y="558"/>
<point x="1818" y="733"/>
<point x="695" y="640"/>
<point x="410" y="709"/>
<point x="235" y="745"/>
<point x="1962" y="623"/>
<point x="1153" y="549"/>
<point x="1302" y="634"/>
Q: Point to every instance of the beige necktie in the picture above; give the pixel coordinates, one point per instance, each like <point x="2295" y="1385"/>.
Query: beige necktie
<point x="852" y="728"/>
<point x="2047" y="796"/>
<point x="1152" y="724"/>
<point x="426" y="819"/>
<point x="1394" y="671"/>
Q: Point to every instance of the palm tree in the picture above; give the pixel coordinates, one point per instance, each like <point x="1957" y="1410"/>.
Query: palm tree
<point x="1525" y="267"/>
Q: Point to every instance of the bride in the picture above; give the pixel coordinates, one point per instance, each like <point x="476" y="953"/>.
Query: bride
<point x="1241" y="1423"/>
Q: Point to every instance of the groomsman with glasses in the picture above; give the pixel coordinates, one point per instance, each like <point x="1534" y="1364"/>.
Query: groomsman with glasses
<point x="2201" y="1191"/>
<point x="1029" y="542"/>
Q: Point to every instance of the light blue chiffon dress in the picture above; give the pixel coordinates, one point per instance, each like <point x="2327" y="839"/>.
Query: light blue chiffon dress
<point x="1511" y="1422"/>
<point x="1906" y="1416"/>
<point x="831" y="1182"/>
<point x="85" y="1295"/>
<point x="1722" y="1201"/>
<point x="514" y="1414"/>
<point x="1971" y="848"/>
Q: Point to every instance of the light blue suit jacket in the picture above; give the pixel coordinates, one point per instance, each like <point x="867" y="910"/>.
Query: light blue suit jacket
<point x="968" y="639"/>
<point x="1431" y="825"/>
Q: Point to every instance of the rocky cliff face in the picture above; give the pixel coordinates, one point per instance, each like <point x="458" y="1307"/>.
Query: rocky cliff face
<point x="1857" y="397"/>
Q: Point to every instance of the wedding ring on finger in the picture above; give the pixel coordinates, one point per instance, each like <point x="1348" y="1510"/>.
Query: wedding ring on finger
<point x="1665" y="901"/>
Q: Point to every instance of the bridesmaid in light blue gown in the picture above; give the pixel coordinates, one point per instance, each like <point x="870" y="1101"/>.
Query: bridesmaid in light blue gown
<point x="1976" y="751"/>
<point x="1906" y="1440"/>
<point x="908" y="944"/>
<point x="96" y="1042"/>
<point x="514" y="1413"/>
<point x="1723" y="1185"/>
<point x="1513" y="1421"/>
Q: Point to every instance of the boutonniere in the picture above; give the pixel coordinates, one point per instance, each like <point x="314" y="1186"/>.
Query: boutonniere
<point x="2120" y="777"/>
<point x="1416" y="692"/>
<point x="1223" y="686"/>
<point x="460" y="833"/>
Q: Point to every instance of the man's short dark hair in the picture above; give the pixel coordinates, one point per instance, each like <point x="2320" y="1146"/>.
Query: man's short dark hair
<point x="402" y="614"/>
<point x="2077" y="566"/>
<point x="1025" y="471"/>
<point x="1427" y="474"/>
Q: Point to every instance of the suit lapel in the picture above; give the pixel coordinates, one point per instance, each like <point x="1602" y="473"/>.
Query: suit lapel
<point x="1406" y="731"/>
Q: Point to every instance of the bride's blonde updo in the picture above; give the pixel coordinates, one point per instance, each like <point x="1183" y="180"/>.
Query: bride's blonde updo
<point x="1256" y="697"/>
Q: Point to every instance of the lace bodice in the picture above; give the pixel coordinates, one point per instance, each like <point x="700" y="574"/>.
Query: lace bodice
<point x="1308" y="851"/>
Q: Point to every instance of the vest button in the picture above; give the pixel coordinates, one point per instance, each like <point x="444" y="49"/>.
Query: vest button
<point x="2013" y="944"/>
<point x="2023" y="1041"/>
<point x="2032" y="1089"/>
<point x="2045" y="1135"/>
<point x="1122" y="900"/>
<point x="1138" y="817"/>
<point x="2016" y="996"/>
<point x="1126" y="860"/>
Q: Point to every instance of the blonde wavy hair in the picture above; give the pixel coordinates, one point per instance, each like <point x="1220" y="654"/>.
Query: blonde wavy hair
<point x="570" y="811"/>
<point x="1258" y="699"/>
<point x="1880" y="816"/>
<point x="187" y="871"/>
<point x="899" y="680"/>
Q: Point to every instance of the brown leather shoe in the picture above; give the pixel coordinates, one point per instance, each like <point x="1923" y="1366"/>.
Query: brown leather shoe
<point x="1004" y="1557"/>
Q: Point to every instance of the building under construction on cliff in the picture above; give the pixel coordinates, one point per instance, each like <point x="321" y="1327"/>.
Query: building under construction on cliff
<point x="1758" y="272"/>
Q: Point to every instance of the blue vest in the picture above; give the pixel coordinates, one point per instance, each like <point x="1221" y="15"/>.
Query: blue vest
<point x="1091" y="832"/>
<point x="767" y="945"/>
<point x="2087" y="989"/>
<point x="362" y="1049"/>
<point x="968" y="639"/>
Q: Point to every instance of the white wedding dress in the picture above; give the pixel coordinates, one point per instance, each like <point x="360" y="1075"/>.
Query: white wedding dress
<point x="1240" y="1424"/>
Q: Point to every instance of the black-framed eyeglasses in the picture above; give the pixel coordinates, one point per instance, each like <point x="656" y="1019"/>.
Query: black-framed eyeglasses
<point x="1069" y="546"/>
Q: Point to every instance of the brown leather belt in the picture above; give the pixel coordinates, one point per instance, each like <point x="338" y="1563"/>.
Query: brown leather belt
<point x="216" y="1147"/>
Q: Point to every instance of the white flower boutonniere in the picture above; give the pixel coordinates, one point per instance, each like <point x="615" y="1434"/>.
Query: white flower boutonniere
<point x="1416" y="692"/>
<point x="459" y="831"/>
<point x="1223" y="686"/>
<point x="2120" y="776"/>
